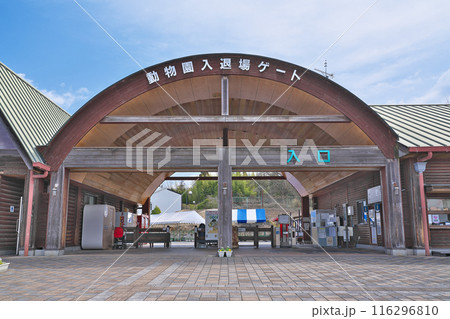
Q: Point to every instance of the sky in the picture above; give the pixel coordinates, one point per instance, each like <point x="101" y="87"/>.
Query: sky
<point x="397" y="52"/>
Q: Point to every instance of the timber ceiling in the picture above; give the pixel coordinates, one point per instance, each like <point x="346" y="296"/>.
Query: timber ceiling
<point x="200" y="96"/>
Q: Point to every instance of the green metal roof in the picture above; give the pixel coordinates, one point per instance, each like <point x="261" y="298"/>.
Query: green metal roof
<point x="32" y="117"/>
<point x="418" y="125"/>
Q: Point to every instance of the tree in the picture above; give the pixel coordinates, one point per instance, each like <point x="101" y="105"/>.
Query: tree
<point x="156" y="211"/>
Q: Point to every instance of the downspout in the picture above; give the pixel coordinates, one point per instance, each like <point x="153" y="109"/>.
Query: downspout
<point x="46" y="169"/>
<point x="423" y="201"/>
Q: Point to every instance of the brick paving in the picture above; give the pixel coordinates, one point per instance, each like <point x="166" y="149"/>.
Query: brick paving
<point x="252" y="274"/>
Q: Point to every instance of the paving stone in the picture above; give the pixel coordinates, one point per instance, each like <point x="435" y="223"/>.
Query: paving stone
<point x="260" y="274"/>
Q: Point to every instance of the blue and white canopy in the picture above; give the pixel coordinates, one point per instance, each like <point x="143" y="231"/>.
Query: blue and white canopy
<point x="249" y="215"/>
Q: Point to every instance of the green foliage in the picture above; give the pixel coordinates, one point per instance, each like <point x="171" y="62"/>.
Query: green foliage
<point x="156" y="211"/>
<point x="246" y="193"/>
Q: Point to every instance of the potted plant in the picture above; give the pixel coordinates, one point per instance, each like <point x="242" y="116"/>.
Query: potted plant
<point x="221" y="252"/>
<point x="228" y="252"/>
<point x="3" y="266"/>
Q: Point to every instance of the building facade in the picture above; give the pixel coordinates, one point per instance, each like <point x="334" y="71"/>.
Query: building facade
<point x="224" y="113"/>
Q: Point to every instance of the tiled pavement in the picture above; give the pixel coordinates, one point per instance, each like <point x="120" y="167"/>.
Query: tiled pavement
<point x="252" y="274"/>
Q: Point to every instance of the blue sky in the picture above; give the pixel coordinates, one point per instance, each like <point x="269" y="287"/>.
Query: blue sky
<point x="398" y="52"/>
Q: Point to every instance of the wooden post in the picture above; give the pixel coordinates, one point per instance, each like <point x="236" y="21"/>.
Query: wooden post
<point x="225" y="195"/>
<point x="57" y="212"/>
<point x="224" y="96"/>
<point x="272" y="237"/>
<point x="79" y="213"/>
<point x="394" y="233"/>
<point x="412" y="192"/>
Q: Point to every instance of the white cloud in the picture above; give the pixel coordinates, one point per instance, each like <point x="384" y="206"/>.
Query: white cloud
<point x="389" y="46"/>
<point x="438" y="93"/>
<point x="63" y="99"/>
<point x="24" y="76"/>
<point x="68" y="98"/>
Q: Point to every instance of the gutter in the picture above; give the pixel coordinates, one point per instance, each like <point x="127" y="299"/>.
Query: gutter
<point x="422" y="149"/>
<point x="45" y="170"/>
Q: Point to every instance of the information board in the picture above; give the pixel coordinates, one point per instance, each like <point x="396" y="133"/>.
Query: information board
<point x="374" y="195"/>
<point x="212" y="225"/>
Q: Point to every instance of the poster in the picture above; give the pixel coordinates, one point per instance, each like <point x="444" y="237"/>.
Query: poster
<point x="374" y="234"/>
<point x="332" y="231"/>
<point x="212" y="225"/>
<point x="329" y="241"/>
<point x="322" y="232"/>
<point x="435" y="219"/>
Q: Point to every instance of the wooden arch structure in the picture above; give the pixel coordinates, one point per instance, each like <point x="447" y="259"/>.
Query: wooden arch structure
<point x="241" y="98"/>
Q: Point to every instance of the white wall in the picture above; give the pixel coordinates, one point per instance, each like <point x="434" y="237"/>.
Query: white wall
<point x="166" y="200"/>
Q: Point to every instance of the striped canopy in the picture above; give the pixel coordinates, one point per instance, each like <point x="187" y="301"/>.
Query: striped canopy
<point x="245" y="216"/>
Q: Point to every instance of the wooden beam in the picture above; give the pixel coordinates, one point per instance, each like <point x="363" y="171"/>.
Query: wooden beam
<point x="226" y="119"/>
<point x="214" y="178"/>
<point x="225" y="200"/>
<point x="225" y="101"/>
<point x="182" y="158"/>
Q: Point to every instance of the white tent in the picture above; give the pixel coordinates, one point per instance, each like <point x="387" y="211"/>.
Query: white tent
<point x="180" y="217"/>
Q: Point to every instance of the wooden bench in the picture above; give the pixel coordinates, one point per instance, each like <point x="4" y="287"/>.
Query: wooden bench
<point x="150" y="236"/>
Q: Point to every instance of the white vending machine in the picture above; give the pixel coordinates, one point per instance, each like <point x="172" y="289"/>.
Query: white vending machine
<point x="98" y="227"/>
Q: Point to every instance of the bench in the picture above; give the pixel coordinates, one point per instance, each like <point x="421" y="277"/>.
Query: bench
<point x="150" y="236"/>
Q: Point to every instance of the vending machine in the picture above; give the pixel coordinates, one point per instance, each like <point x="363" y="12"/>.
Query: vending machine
<point x="323" y="227"/>
<point x="143" y="221"/>
<point x="98" y="227"/>
<point x="285" y="231"/>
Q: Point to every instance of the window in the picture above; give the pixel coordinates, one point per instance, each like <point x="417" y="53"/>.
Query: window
<point x="362" y="216"/>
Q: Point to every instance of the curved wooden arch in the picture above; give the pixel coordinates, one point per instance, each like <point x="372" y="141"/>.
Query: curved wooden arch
<point x="136" y="84"/>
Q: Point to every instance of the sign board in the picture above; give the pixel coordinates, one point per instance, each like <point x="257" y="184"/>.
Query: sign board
<point x="350" y="210"/>
<point x="11" y="209"/>
<point x="374" y="195"/>
<point x="329" y="241"/>
<point x="378" y="223"/>
<point x="283" y="219"/>
<point x="212" y="225"/>
<point x="373" y="232"/>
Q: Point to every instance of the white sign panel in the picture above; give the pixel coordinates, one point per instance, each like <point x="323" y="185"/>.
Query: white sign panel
<point x="374" y="195"/>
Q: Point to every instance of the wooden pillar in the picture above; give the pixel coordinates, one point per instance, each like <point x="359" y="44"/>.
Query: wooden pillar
<point x="57" y="212"/>
<point x="146" y="208"/>
<point x="394" y="233"/>
<point x="306" y="219"/>
<point x="412" y="189"/>
<point x="225" y="195"/>
<point x="79" y="215"/>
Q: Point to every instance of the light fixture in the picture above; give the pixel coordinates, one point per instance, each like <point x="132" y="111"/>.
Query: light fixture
<point x="54" y="189"/>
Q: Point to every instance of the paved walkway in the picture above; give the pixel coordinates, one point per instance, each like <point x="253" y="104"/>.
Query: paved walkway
<point x="252" y="274"/>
